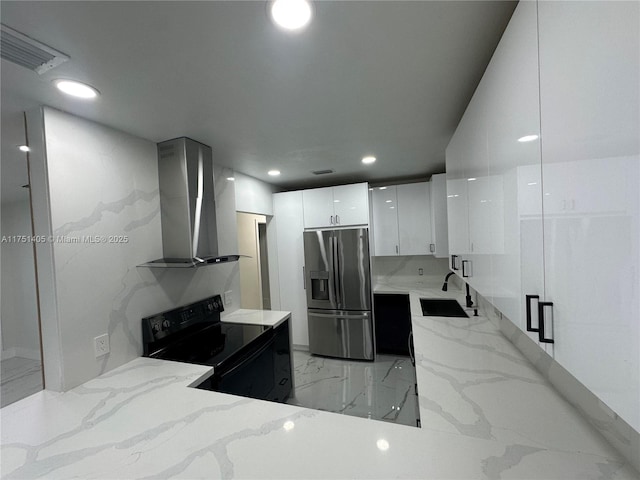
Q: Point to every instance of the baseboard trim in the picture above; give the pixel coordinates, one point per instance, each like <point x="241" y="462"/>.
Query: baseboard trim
<point x="30" y="353"/>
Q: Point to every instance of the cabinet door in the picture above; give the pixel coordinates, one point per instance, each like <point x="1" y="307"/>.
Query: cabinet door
<point x="414" y="218"/>
<point x="318" y="207"/>
<point x="589" y="97"/>
<point x="439" y="228"/>
<point x="385" y="221"/>
<point x="288" y="212"/>
<point x="514" y="186"/>
<point x="351" y="204"/>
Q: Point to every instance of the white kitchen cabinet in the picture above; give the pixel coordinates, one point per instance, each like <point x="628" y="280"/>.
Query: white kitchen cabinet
<point x="557" y="217"/>
<point x="414" y="219"/>
<point x="351" y="204"/>
<point x="338" y="206"/>
<point x="318" y="207"/>
<point x="288" y="218"/>
<point x="589" y="96"/>
<point x="384" y="202"/>
<point x="439" y="229"/>
<point x="402" y="219"/>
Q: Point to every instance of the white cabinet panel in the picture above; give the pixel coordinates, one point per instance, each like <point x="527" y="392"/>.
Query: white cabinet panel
<point x="385" y="221"/>
<point x="288" y="214"/>
<point x="318" y="207"/>
<point x="330" y="207"/>
<point x="402" y="223"/>
<point x="589" y="96"/>
<point x="414" y="218"/>
<point x="439" y="228"/>
<point x="512" y="113"/>
<point x="458" y="216"/>
<point x="351" y="204"/>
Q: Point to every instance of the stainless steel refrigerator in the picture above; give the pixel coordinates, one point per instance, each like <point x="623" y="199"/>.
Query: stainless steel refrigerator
<point x="338" y="284"/>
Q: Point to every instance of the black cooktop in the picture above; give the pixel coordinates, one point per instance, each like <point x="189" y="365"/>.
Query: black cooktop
<point x="195" y="334"/>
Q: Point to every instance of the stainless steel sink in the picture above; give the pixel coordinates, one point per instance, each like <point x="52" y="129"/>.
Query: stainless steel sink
<point x="441" y="307"/>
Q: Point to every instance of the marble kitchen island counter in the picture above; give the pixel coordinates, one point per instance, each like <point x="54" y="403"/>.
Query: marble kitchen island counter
<point x="267" y="318"/>
<point x="142" y="420"/>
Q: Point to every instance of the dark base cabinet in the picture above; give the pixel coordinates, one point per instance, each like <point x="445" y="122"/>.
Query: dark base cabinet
<point x="263" y="372"/>
<point x="281" y="364"/>
<point x="393" y="323"/>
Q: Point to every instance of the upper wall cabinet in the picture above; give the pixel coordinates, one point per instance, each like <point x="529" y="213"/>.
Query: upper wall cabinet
<point x="339" y="206"/>
<point x="439" y="232"/>
<point x="590" y="117"/>
<point x="403" y="219"/>
<point x="543" y="175"/>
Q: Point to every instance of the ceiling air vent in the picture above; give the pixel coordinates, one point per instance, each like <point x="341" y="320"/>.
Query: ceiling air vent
<point x="322" y="172"/>
<point x="27" y="52"/>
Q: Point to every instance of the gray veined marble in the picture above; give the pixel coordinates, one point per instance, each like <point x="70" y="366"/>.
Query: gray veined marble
<point x="114" y="207"/>
<point x="381" y="390"/>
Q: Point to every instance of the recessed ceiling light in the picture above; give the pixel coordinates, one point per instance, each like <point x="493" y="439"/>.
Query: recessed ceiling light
<point x="367" y="160"/>
<point x="76" y="89"/>
<point x="388" y="201"/>
<point x="291" y="14"/>
<point x="382" y="188"/>
<point x="24" y="148"/>
<point x="231" y="179"/>
<point x="528" y="138"/>
<point x="383" y="445"/>
<point x="274" y="173"/>
<point x="472" y="179"/>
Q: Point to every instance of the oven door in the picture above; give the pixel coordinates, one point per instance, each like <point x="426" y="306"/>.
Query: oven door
<point x="249" y="375"/>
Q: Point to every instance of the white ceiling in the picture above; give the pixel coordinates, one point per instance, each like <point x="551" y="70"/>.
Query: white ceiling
<point x="386" y="78"/>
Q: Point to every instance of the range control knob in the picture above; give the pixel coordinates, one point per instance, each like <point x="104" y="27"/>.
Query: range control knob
<point x="166" y="324"/>
<point x="155" y="327"/>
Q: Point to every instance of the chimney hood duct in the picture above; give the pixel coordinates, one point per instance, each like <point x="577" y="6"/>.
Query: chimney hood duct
<point x="187" y="206"/>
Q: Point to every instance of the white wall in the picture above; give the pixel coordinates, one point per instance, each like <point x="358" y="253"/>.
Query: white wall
<point x="253" y="195"/>
<point x="20" y="336"/>
<point x="103" y="182"/>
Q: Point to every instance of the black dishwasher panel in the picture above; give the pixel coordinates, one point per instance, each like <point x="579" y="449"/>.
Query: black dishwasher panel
<point x="393" y="323"/>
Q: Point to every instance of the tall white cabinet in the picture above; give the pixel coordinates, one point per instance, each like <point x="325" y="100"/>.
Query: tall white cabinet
<point x="543" y="187"/>
<point x="288" y="215"/>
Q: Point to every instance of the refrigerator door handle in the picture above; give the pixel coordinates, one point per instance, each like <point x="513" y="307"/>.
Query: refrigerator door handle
<point x="336" y="269"/>
<point x="333" y="315"/>
<point x="304" y="278"/>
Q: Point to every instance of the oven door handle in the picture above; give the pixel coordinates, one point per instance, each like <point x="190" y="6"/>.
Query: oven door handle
<point x="244" y="359"/>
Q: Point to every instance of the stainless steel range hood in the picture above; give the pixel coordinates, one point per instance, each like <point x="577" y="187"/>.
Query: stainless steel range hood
<point x="187" y="206"/>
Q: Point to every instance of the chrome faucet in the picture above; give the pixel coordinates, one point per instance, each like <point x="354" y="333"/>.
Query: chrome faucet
<point x="446" y="280"/>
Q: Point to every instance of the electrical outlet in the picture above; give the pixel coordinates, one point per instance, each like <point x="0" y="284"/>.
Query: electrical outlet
<point x="228" y="298"/>
<point x="420" y="271"/>
<point x="101" y="345"/>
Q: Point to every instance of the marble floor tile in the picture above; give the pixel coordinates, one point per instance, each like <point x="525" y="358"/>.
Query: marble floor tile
<point x="19" y="378"/>
<point x="381" y="390"/>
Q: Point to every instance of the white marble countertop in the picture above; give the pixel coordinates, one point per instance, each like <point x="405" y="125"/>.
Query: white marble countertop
<point x="267" y="318"/>
<point x="485" y="414"/>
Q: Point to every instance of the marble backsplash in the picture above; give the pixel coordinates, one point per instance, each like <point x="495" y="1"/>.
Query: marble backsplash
<point x="104" y="221"/>
<point x="406" y="269"/>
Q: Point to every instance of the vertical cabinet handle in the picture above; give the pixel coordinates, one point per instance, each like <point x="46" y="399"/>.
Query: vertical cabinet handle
<point x="528" y="298"/>
<point x="432" y="247"/>
<point x="337" y="220"/>
<point x="397" y="250"/>
<point x="465" y="271"/>
<point x="542" y="337"/>
<point x="304" y="278"/>
<point x="331" y="219"/>
<point x="454" y="262"/>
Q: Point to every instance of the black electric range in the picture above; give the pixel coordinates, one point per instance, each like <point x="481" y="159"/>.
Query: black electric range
<point x="248" y="360"/>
